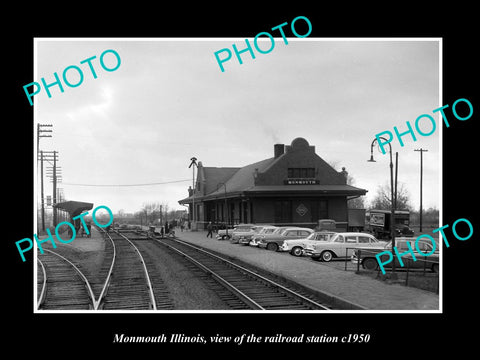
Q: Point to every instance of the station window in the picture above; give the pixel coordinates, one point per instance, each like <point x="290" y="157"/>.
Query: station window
<point x="301" y="173"/>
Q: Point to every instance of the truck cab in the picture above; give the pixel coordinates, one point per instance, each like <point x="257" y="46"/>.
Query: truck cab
<point x="379" y="223"/>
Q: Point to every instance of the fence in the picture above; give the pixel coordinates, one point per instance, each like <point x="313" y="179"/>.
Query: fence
<point x="422" y="273"/>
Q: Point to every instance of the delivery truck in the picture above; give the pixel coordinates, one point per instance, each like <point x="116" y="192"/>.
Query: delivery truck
<point x="380" y="221"/>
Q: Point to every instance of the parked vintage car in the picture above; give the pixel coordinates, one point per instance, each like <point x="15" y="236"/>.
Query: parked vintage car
<point x="241" y="230"/>
<point x="224" y="234"/>
<point x="296" y="246"/>
<point x="274" y="242"/>
<point x="341" y="245"/>
<point x="247" y="237"/>
<point x="267" y="231"/>
<point x="366" y="256"/>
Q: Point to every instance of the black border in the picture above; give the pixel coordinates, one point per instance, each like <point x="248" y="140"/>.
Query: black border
<point x="81" y="333"/>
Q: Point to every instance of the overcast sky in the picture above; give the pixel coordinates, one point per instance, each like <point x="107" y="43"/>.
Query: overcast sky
<point x="169" y="101"/>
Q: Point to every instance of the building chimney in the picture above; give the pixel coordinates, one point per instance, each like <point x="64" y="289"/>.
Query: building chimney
<point x="278" y="150"/>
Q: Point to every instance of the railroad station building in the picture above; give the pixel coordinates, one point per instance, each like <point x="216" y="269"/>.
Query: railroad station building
<point x="294" y="187"/>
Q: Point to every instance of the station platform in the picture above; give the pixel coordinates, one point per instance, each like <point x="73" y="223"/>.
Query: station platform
<point x="81" y="243"/>
<point x="344" y="289"/>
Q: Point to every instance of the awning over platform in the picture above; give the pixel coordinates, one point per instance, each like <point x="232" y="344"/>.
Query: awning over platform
<point x="74" y="208"/>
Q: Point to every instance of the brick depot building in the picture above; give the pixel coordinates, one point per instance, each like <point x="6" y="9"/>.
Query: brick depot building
<point x="294" y="187"/>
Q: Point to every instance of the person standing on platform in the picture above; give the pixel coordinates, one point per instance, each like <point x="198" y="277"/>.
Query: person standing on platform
<point x="167" y="228"/>
<point x="209" y="228"/>
<point x="89" y="227"/>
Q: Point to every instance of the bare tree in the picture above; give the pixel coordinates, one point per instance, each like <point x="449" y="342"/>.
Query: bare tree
<point x="165" y="210"/>
<point x="154" y="212"/>
<point x="382" y="199"/>
<point x="358" y="202"/>
<point x="140" y="216"/>
<point x="355" y="203"/>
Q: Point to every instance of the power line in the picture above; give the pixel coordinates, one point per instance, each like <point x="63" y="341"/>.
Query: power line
<point x="125" y="185"/>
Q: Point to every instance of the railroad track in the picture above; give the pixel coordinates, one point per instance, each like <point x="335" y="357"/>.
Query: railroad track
<point x="131" y="282"/>
<point x="61" y="285"/>
<point x="128" y="285"/>
<point x="251" y="289"/>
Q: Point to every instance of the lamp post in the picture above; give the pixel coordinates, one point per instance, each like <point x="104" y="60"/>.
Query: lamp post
<point x="192" y="165"/>
<point x="393" y="194"/>
<point x="226" y="208"/>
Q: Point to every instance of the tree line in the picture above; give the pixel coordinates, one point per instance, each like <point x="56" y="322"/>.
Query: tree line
<point x="382" y="201"/>
<point x="154" y="213"/>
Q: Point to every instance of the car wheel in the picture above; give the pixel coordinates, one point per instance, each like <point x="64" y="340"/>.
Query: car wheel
<point x="435" y="268"/>
<point x="327" y="256"/>
<point x="296" y="251"/>
<point x="272" y="246"/>
<point x="370" y="264"/>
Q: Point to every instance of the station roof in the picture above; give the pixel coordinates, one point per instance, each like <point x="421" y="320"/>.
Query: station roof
<point x="74" y="208"/>
<point x="272" y="190"/>
<point x="241" y="181"/>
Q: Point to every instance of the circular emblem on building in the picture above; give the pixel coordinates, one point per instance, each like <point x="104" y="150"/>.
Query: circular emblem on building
<point x="301" y="210"/>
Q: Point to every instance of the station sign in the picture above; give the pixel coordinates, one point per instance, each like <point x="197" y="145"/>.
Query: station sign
<point x="301" y="182"/>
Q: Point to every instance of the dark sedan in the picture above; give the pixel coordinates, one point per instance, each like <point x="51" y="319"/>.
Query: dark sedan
<point x="366" y="256"/>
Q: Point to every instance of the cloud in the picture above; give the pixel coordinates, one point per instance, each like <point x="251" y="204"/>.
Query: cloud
<point x="169" y="101"/>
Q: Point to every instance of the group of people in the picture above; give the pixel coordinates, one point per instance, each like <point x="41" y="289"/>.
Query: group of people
<point x="80" y="230"/>
<point x="165" y="230"/>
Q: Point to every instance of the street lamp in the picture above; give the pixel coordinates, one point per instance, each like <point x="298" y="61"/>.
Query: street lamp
<point x="226" y="208"/>
<point x="393" y="194"/>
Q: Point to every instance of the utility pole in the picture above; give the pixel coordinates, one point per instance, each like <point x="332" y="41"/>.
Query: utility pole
<point x="41" y="194"/>
<point x="55" y="222"/>
<point x="53" y="156"/>
<point x="393" y="198"/>
<point x="421" y="183"/>
<point x="40" y="133"/>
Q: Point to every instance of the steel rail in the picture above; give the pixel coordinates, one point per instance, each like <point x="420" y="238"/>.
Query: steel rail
<point x="150" y="287"/>
<point x="251" y="273"/>
<point x="109" y="275"/>
<point x="44" y="285"/>
<point x="271" y="282"/>
<point x="87" y="284"/>
<point x="249" y="301"/>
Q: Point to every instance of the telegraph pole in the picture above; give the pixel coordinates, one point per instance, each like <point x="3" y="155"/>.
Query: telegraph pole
<point x="40" y="133"/>
<point x="52" y="156"/>
<point x="421" y="183"/>
<point x="41" y="194"/>
<point x="54" y="187"/>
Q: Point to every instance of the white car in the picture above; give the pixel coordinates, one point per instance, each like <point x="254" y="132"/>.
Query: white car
<point x="246" y="238"/>
<point x="341" y="245"/>
<point x="266" y="231"/>
<point x="273" y="243"/>
<point x="241" y="230"/>
<point x="296" y="246"/>
<point x="224" y="234"/>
